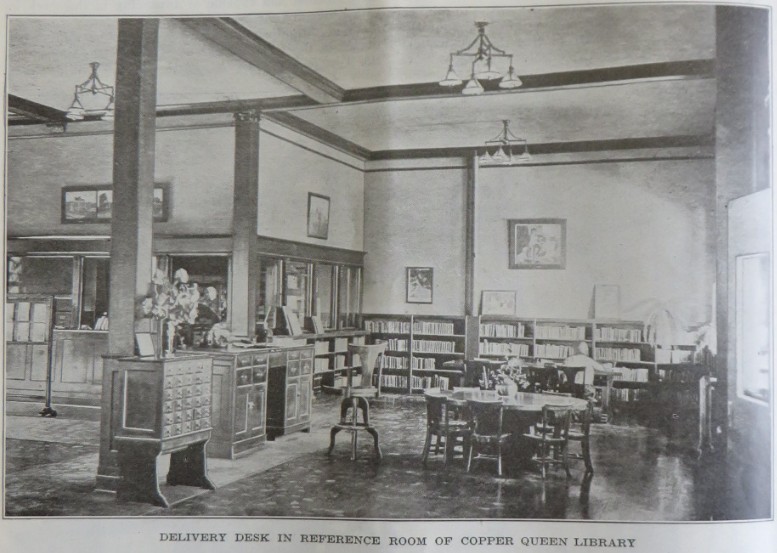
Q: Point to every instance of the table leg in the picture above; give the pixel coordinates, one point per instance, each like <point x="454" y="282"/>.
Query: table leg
<point x="189" y="467"/>
<point x="137" y="467"/>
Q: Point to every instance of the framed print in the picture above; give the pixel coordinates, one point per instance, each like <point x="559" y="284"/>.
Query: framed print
<point x="94" y="203"/>
<point x="536" y="243"/>
<point x="498" y="302"/>
<point x="419" y="284"/>
<point x="318" y="216"/>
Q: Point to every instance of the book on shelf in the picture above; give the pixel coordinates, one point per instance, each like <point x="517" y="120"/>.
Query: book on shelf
<point x="393" y="381"/>
<point x="320" y="365"/>
<point x="356" y="360"/>
<point x="340" y="361"/>
<point x="341" y="344"/>
<point x="618" y="354"/>
<point x="396" y="344"/>
<point x="358" y="340"/>
<point x="433" y="327"/>
<point x="499" y="330"/>
<point x="424" y="363"/>
<point x="314" y="324"/>
<point x="504" y="348"/>
<point x="559" y="332"/>
<point x="321" y="347"/>
<point x="434" y="346"/>
<point x="393" y="362"/>
<point x="382" y="326"/>
<point x="632" y="375"/>
<point x="608" y="334"/>
<point x="291" y="320"/>
<point x="553" y="351"/>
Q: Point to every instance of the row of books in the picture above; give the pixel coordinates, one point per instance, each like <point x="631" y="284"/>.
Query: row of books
<point x="502" y="348"/>
<point x="434" y="346"/>
<point x="633" y="375"/>
<point x="382" y="326"/>
<point x="559" y="332"/>
<point x="424" y="363"/>
<point x="494" y="330"/>
<point x="396" y="344"/>
<point x="618" y="354"/>
<point x="429" y="327"/>
<point x="416" y="382"/>
<point x="321" y="347"/>
<point x="552" y="351"/>
<point x="392" y="362"/>
<point x="609" y="334"/>
<point x="630" y="395"/>
<point x="320" y="365"/>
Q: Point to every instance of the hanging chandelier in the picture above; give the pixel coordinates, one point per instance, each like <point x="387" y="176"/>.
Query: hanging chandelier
<point x="503" y="148"/>
<point x="484" y="55"/>
<point x="89" y="98"/>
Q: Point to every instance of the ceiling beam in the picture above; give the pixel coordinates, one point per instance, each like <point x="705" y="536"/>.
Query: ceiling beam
<point x="243" y="43"/>
<point x="684" y="141"/>
<point x="33" y="111"/>
<point x="317" y="133"/>
<point x="676" y="70"/>
<point x="236" y="106"/>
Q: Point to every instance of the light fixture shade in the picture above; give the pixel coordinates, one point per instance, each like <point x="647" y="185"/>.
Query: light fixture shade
<point x="510" y="80"/>
<point x="500" y="157"/>
<point x="485" y="159"/>
<point x="472" y="88"/>
<point x="486" y="73"/>
<point x="75" y="113"/>
<point x="451" y="78"/>
<point x="525" y="155"/>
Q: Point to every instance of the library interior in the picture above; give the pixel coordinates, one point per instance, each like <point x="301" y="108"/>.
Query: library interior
<point x="515" y="261"/>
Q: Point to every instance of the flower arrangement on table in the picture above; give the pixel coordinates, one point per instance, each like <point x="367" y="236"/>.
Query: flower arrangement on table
<point x="174" y="304"/>
<point x="507" y="378"/>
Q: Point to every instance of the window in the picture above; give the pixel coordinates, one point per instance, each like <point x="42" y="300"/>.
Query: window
<point x="268" y="296"/>
<point x="349" y="296"/>
<point x="753" y="317"/>
<point x="95" y="282"/>
<point x="296" y="288"/>
<point x="324" y="286"/>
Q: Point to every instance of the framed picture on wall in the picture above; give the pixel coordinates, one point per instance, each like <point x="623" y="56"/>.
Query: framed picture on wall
<point x="318" y="216"/>
<point x="498" y="302"/>
<point x="537" y="243"/>
<point x="419" y="284"/>
<point x="94" y="203"/>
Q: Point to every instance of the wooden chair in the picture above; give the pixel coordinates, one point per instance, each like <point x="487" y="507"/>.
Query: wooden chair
<point x="357" y="399"/>
<point x="543" y="378"/>
<point x="551" y="437"/>
<point x="580" y="431"/>
<point x="570" y="385"/>
<point x="443" y="421"/>
<point x="487" y="434"/>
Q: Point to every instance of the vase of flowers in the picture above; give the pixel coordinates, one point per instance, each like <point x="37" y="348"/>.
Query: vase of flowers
<point x="507" y="379"/>
<point x="172" y="304"/>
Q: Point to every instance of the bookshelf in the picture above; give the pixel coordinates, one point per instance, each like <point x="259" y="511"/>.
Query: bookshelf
<point x="331" y="357"/>
<point x="418" y="346"/>
<point x="654" y="383"/>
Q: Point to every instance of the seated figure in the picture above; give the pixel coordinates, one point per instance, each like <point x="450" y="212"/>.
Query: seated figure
<point x="582" y="359"/>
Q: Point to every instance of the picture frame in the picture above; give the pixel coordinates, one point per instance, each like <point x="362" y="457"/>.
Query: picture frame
<point x="93" y="203"/>
<point x="498" y="302"/>
<point x="419" y="284"/>
<point x="537" y="243"/>
<point x="318" y="215"/>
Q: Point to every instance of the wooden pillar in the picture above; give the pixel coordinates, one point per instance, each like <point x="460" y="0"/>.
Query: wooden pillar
<point x="471" y="344"/>
<point x="469" y="218"/>
<point x="131" y="220"/>
<point x="245" y="260"/>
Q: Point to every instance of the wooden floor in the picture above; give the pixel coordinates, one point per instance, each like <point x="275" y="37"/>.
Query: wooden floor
<point x="640" y="476"/>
